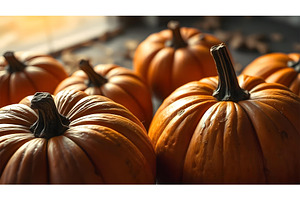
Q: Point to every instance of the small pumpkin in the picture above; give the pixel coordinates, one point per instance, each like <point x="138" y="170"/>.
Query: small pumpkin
<point x="173" y="57"/>
<point x="24" y="73"/>
<point x="228" y="129"/>
<point x="73" y="138"/>
<point x="115" y="82"/>
<point x="277" y="68"/>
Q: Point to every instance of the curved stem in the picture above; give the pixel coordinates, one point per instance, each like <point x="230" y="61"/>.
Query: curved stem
<point x="14" y="64"/>
<point x="295" y="65"/>
<point x="228" y="87"/>
<point x="50" y="123"/>
<point x="95" y="79"/>
<point x="177" y="40"/>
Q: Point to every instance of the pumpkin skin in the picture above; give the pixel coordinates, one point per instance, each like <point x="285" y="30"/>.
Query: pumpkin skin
<point x="115" y="82"/>
<point x="24" y="73"/>
<point x="103" y="143"/>
<point x="173" y="57"/>
<point x="277" y="68"/>
<point x="255" y="139"/>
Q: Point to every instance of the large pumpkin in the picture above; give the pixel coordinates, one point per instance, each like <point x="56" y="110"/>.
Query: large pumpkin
<point x="277" y="68"/>
<point x="115" y="82"/>
<point x="173" y="57"/>
<point x="24" y="73"/>
<point x="73" y="138"/>
<point x="228" y="130"/>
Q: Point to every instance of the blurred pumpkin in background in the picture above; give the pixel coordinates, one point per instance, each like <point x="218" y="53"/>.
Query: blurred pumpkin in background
<point x="115" y="82"/>
<point x="277" y="68"/>
<point x="228" y="129"/>
<point x="24" y="73"/>
<point x="173" y="57"/>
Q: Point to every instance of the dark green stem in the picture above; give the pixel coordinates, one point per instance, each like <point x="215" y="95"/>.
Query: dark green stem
<point x="50" y="123"/>
<point x="177" y="40"/>
<point x="95" y="79"/>
<point x="14" y="64"/>
<point x="228" y="87"/>
<point x="295" y="65"/>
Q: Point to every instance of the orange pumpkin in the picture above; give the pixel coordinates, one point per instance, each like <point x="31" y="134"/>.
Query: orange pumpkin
<point x="115" y="82"/>
<point x="73" y="138"/>
<point x="173" y="57"/>
<point x="228" y="130"/>
<point x="277" y="68"/>
<point x="24" y="73"/>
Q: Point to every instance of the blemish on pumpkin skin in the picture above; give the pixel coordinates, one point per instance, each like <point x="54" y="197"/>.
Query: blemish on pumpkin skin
<point x="172" y="142"/>
<point x="284" y="134"/>
<point x="119" y="144"/>
<point x="202" y="37"/>
<point x="97" y="172"/>
<point x="194" y="165"/>
<point x="131" y="170"/>
<point x="128" y="163"/>
<point x="180" y="112"/>
<point x="197" y="151"/>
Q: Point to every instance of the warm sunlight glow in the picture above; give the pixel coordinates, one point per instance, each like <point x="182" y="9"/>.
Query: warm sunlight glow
<point x="49" y="33"/>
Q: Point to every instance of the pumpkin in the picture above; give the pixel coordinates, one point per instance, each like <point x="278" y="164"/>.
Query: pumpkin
<point x="228" y="129"/>
<point x="277" y="68"/>
<point x="115" y="82"/>
<point x="72" y="138"/>
<point x="173" y="57"/>
<point x="24" y="73"/>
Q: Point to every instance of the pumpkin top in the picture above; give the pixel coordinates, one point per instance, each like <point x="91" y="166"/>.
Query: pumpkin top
<point x="177" y="40"/>
<point x="295" y="65"/>
<point x="14" y="65"/>
<point x="95" y="79"/>
<point x="49" y="123"/>
<point x="228" y="87"/>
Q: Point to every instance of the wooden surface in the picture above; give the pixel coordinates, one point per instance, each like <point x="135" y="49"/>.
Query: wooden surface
<point x="278" y="35"/>
<point x="118" y="47"/>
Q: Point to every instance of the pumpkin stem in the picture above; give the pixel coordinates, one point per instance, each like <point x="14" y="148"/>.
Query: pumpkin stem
<point x="95" y="79"/>
<point x="177" y="40"/>
<point x="228" y="87"/>
<point x="295" y="65"/>
<point x="49" y="123"/>
<point x="14" y="64"/>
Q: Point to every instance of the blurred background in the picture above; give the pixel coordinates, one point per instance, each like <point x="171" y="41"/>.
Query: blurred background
<point x="113" y="39"/>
